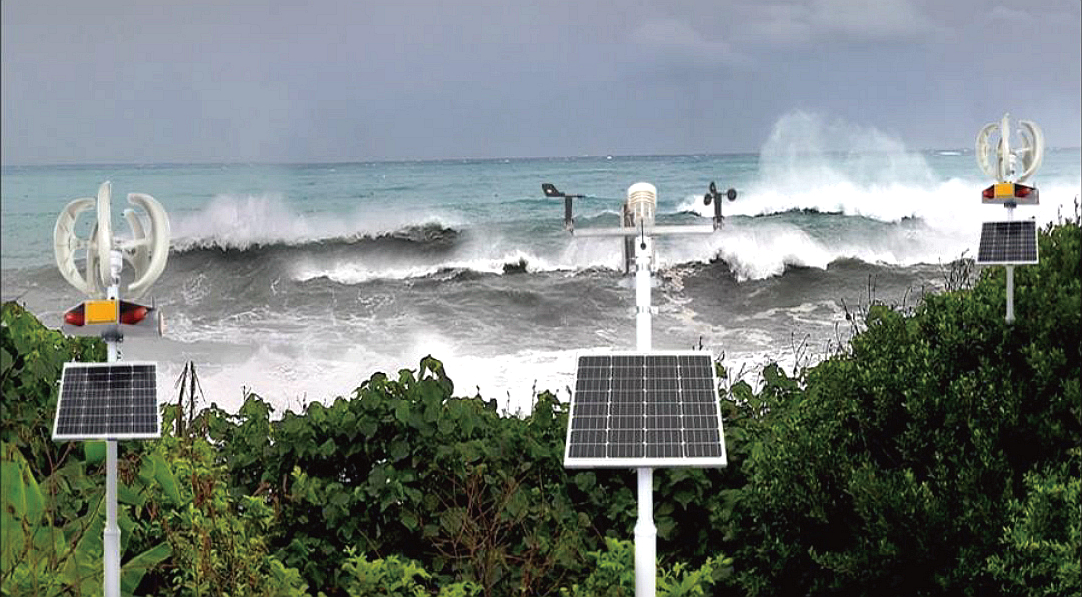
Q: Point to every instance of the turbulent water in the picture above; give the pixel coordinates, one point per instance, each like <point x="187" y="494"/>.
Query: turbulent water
<point x="300" y="281"/>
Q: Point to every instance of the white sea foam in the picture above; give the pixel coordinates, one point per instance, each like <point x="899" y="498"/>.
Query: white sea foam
<point x="758" y="248"/>
<point x="812" y="163"/>
<point x="482" y="257"/>
<point x="808" y="163"/>
<point x="242" y="221"/>
<point x="291" y="376"/>
<point x="356" y="272"/>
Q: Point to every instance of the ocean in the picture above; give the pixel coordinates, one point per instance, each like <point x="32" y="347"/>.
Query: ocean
<point x="299" y="281"/>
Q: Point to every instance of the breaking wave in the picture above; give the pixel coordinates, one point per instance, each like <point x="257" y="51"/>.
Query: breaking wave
<point x="231" y="222"/>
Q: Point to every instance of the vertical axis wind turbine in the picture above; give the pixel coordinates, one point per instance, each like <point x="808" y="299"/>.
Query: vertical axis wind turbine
<point x="110" y="401"/>
<point x="1009" y="242"/>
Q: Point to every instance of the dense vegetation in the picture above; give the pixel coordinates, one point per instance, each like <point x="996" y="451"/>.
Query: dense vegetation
<point x="938" y="453"/>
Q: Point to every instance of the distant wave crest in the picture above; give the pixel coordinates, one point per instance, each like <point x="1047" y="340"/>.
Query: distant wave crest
<point x="354" y="272"/>
<point x="234" y="222"/>
<point x="431" y="235"/>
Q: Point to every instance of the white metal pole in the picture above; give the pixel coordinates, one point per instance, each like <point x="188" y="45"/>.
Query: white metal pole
<point x="112" y="531"/>
<point x="1010" y="275"/>
<point x="1010" y="294"/>
<point x="111" y="536"/>
<point x="645" y="531"/>
<point x="645" y="537"/>
<point x="643" y="249"/>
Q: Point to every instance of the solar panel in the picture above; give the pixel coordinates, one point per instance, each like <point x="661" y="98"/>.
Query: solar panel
<point x="108" y="401"/>
<point x="645" y="410"/>
<point x="1013" y="242"/>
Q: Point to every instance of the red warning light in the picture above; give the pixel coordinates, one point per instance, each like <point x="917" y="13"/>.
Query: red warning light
<point x="133" y="314"/>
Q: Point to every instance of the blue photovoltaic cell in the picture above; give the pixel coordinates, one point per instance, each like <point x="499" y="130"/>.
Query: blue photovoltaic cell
<point x="107" y="401"/>
<point x="1010" y="242"/>
<point x="645" y="407"/>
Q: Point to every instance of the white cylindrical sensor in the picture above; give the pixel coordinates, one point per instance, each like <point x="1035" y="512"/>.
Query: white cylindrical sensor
<point x="642" y="203"/>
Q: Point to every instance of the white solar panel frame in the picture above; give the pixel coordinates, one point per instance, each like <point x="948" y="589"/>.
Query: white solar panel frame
<point x="648" y="462"/>
<point x="1036" y="247"/>
<point x="107" y="436"/>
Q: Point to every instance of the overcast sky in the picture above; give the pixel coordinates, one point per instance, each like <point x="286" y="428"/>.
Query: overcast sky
<point x="133" y="81"/>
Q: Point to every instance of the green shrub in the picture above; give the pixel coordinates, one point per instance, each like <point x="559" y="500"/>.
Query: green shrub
<point x="219" y="541"/>
<point x="613" y="575"/>
<point x="394" y="577"/>
<point x="405" y="468"/>
<point x="932" y="457"/>
<point x="891" y="469"/>
<point x="182" y="531"/>
<point x="1042" y="542"/>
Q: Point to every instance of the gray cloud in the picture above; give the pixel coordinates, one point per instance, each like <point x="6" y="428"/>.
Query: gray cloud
<point x="870" y="19"/>
<point x="125" y="81"/>
<point x="801" y="23"/>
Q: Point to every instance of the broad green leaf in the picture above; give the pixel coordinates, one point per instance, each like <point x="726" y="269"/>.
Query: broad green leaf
<point x="94" y="452"/>
<point x="327" y="448"/>
<point x="398" y="450"/>
<point x="402" y="412"/>
<point x="132" y="571"/>
<point x="163" y="474"/>
<point x="21" y="491"/>
<point x="446" y="425"/>
<point x="432" y="412"/>
<point x="6" y="361"/>
<point x="126" y="494"/>
<point x="14" y="489"/>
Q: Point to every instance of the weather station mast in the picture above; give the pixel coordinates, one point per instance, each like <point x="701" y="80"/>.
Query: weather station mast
<point x="645" y="409"/>
<point x="1009" y="243"/>
<point x="113" y="400"/>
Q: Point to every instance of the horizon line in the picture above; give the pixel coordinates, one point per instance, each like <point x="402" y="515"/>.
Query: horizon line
<point x="445" y="159"/>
